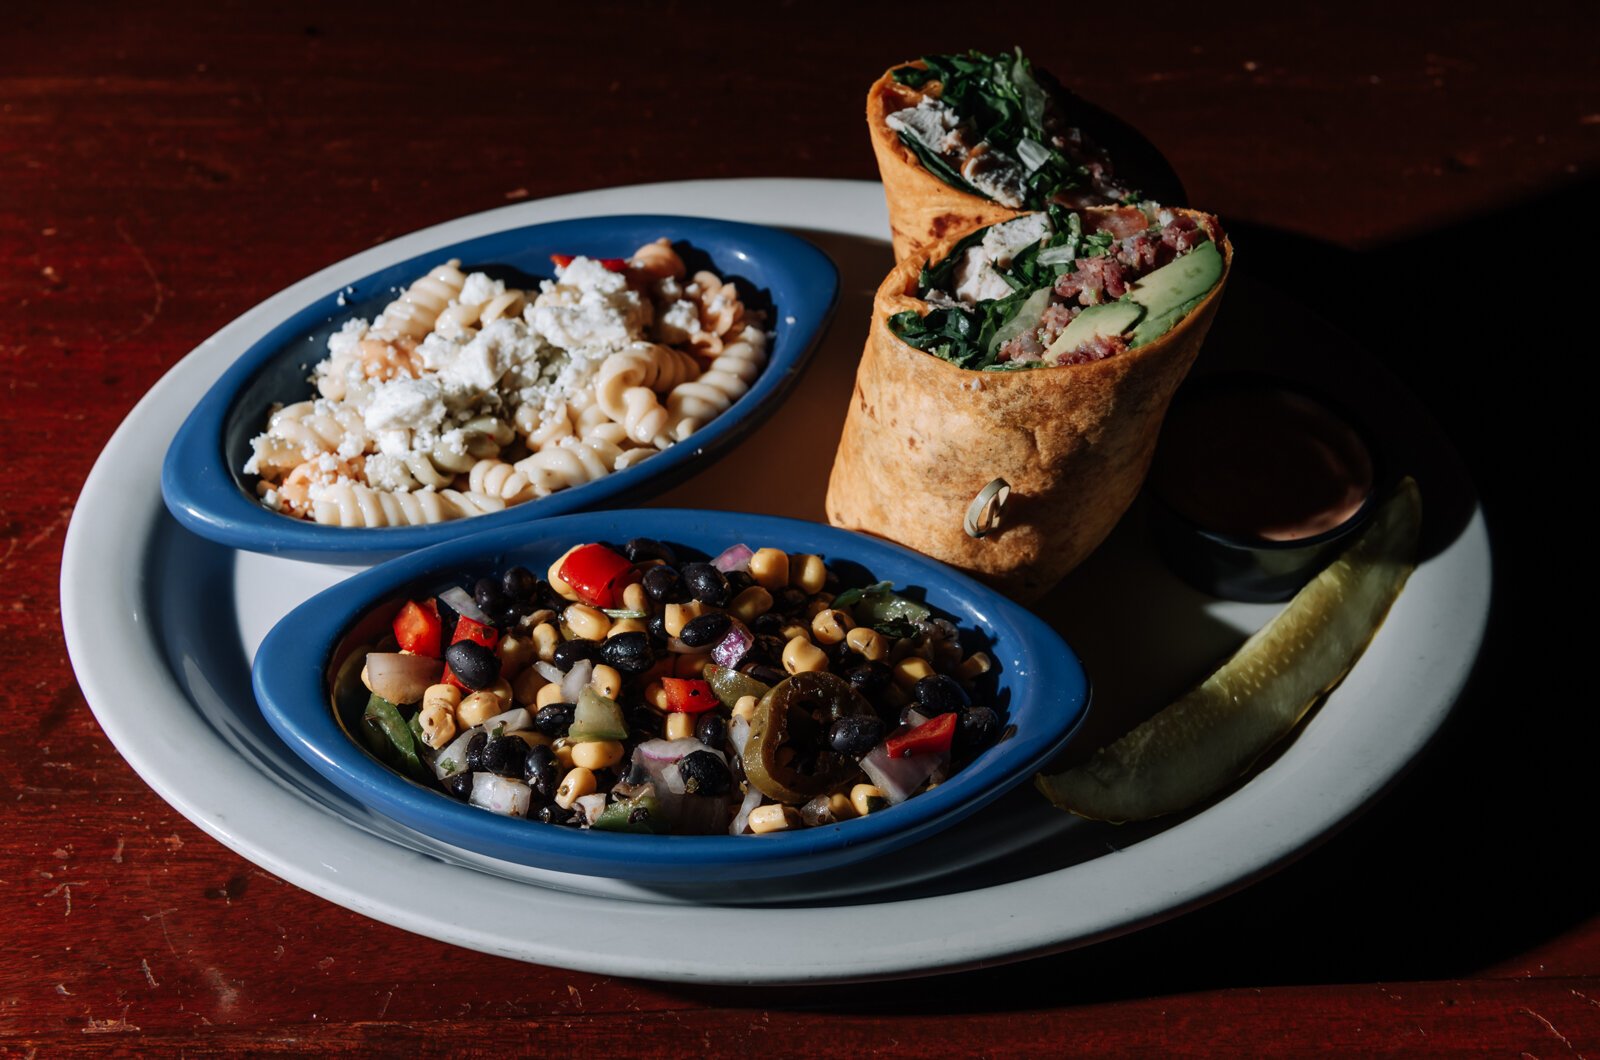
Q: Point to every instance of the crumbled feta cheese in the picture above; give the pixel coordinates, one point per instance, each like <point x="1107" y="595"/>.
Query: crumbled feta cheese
<point x="678" y="323"/>
<point x="405" y="403"/>
<point x="478" y="289"/>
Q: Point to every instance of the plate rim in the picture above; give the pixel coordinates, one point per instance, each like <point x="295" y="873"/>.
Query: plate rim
<point x="104" y="643"/>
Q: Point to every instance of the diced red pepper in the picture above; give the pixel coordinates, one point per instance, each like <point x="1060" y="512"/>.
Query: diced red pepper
<point x="614" y="264"/>
<point x="596" y="574"/>
<point x="687" y="695"/>
<point x="418" y="629"/>
<point x="931" y="737"/>
<point x="467" y="629"/>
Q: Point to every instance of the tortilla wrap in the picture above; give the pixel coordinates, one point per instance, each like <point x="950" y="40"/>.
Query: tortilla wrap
<point x="923" y="437"/>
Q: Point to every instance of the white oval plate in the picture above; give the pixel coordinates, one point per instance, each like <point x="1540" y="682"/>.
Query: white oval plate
<point x="161" y="627"/>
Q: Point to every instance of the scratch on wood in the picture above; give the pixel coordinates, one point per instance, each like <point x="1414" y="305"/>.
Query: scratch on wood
<point x="61" y="988"/>
<point x="387" y="997"/>
<point x="116" y="855"/>
<point x="149" y="977"/>
<point x="161" y="917"/>
<point x="155" y="281"/>
<point x="1551" y="1027"/>
<point x="120" y="1025"/>
<point x="64" y="888"/>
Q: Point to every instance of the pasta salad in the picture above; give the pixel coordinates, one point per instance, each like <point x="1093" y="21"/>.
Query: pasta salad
<point x="465" y="396"/>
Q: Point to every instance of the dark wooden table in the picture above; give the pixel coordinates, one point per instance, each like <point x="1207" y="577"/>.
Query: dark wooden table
<point x="1426" y="179"/>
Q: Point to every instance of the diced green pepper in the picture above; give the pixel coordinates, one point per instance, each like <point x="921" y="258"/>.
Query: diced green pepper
<point x="642" y="814"/>
<point x="731" y="686"/>
<point x="596" y="718"/>
<point x="389" y="736"/>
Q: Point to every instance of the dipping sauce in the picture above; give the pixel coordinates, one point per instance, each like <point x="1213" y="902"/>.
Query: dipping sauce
<point x="1256" y="460"/>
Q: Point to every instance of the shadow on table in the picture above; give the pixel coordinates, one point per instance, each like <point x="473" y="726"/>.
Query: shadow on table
<point x="1469" y="863"/>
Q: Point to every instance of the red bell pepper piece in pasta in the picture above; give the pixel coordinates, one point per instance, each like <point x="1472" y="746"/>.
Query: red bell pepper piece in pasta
<point x="417" y="628"/>
<point x="931" y="737"/>
<point x="687" y="695"/>
<point x="614" y="264"/>
<point x="596" y="574"/>
<point x="467" y="629"/>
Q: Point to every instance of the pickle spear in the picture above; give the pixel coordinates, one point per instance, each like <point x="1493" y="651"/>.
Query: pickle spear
<point x="1200" y="744"/>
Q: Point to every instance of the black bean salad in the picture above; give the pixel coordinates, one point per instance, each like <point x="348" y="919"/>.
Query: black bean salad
<point x="639" y="690"/>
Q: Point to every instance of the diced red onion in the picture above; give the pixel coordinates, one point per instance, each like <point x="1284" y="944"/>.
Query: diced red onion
<point x="574" y="680"/>
<point x="733" y="645"/>
<point x="739" y="734"/>
<point x="673" y="778"/>
<point x="665" y="752"/>
<point x="453" y="759"/>
<point x="500" y="794"/>
<point x="516" y="719"/>
<point x="591" y="805"/>
<point x="752" y="799"/>
<point x="462" y="603"/>
<point x="402" y="678"/>
<point x="734" y="558"/>
<point x="899" y="778"/>
<point x="550" y="672"/>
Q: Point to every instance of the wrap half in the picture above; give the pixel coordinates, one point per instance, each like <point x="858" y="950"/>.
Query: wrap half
<point x="1074" y="439"/>
<point x="966" y="115"/>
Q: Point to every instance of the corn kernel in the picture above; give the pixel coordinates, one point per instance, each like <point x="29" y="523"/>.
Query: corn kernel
<point x="867" y="798"/>
<point x="606" y="680"/>
<point x="745" y="707"/>
<point x="596" y="754"/>
<point x="478" y="708"/>
<point x="679" y="726"/>
<point x="770" y="568"/>
<point x="867" y="643"/>
<point x="802" y="656"/>
<point x="545" y="638"/>
<point x="578" y="782"/>
<point x="807" y="573"/>
<point x="553" y="576"/>
<point x="547" y="695"/>
<point x="750" y="604"/>
<point x="525" y="689"/>
<point x="911" y="669"/>
<point x="774" y="818"/>
<point x="634" y="598"/>
<point x="830" y="627"/>
<point x="585" y="622"/>
<point x="975" y="665"/>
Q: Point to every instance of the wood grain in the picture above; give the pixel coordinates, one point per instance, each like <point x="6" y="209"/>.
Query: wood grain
<point x="164" y="167"/>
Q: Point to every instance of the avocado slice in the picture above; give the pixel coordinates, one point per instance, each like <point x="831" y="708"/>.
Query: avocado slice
<point x="1180" y="281"/>
<point x="1153" y="327"/>
<point x="1108" y="318"/>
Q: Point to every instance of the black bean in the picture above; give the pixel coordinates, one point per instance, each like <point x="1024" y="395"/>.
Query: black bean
<point x="476" y="666"/>
<point x="542" y="772"/>
<point x="488" y="595"/>
<point x="855" y="735"/>
<point x="704" y="773"/>
<point x="459" y="785"/>
<point x="869" y="678"/>
<point x="767" y="675"/>
<point x="475" y="749"/>
<point x="643" y="723"/>
<point x="738" y="582"/>
<point x="977" y="729"/>
<point x="711" y="730"/>
<point x="628" y="652"/>
<point x="665" y="585"/>
<point x="788" y="601"/>
<point x="520" y="584"/>
<point x="554" y="719"/>
<point x="550" y="813"/>
<point x="767" y="648"/>
<point x="768" y="624"/>
<point x="641" y="549"/>
<point x="569" y="652"/>
<point x="939" y="694"/>
<point x="546" y="597"/>
<point x="505" y="755"/>
<point x="705" y="630"/>
<point x="707" y="584"/>
<point x="657" y="624"/>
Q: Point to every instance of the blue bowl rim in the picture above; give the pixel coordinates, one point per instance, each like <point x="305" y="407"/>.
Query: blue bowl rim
<point x="291" y="688"/>
<point x="201" y="491"/>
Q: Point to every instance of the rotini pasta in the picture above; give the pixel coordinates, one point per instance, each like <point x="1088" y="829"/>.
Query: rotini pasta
<point x="464" y="396"/>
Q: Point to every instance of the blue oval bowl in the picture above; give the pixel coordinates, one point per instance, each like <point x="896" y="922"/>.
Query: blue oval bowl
<point x="1041" y="686"/>
<point x="204" y="488"/>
